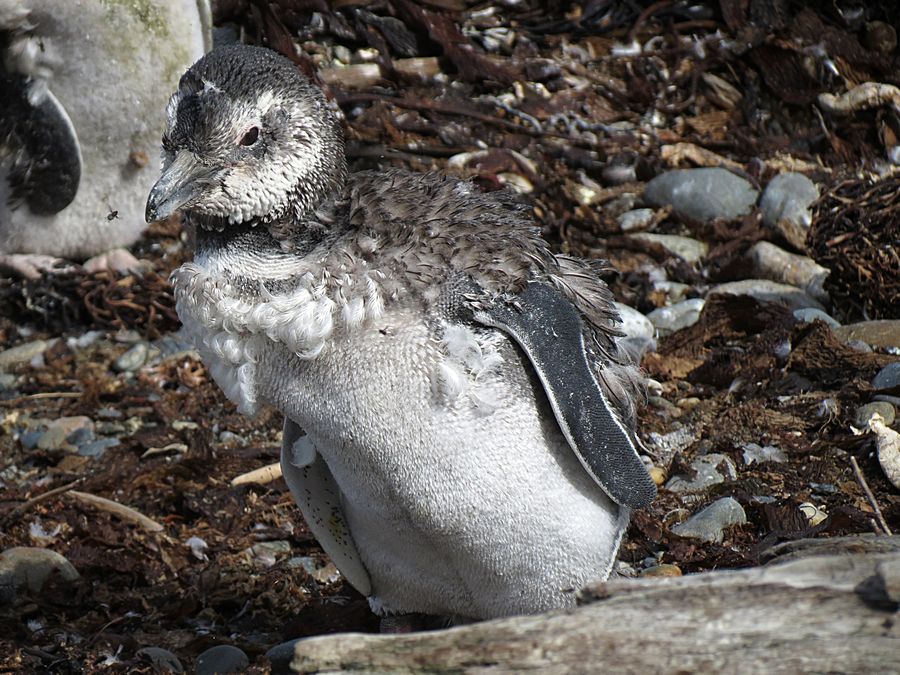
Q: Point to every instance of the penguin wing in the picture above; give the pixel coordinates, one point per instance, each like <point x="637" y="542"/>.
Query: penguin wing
<point x="319" y="498"/>
<point x="550" y="331"/>
<point x="38" y="145"/>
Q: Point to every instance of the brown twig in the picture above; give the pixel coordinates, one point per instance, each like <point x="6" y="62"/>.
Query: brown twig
<point x="43" y="394"/>
<point x="124" y="512"/>
<point x="26" y="506"/>
<point x="879" y="517"/>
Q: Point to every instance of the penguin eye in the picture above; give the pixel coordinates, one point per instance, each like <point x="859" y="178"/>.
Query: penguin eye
<point x="250" y="136"/>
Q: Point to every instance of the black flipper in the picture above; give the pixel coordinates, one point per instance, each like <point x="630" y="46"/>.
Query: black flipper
<point x="549" y="330"/>
<point x="39" y="147"/>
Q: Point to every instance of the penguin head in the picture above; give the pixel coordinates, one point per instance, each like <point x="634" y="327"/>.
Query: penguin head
<point x="248" y="139"/>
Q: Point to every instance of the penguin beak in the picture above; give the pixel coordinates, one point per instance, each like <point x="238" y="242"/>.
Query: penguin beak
<point x="180" y="184"/>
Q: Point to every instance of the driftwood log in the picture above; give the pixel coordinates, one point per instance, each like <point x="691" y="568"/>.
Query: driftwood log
<point x="818" y="606"/>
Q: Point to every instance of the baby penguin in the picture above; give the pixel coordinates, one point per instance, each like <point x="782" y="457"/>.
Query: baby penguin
<point x="82" y="86"/>
<point x="469" y="446"/>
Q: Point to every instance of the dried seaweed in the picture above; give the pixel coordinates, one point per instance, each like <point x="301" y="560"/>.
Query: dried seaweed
<point x="856" y="234"/>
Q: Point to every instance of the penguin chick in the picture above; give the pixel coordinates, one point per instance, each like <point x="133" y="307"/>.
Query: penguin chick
<point x="469" y="446"/>
<point x="84" y="85"/>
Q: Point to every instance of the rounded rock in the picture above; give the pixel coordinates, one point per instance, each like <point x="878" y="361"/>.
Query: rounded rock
<point x="690" y="250"/>
<point x="785" y="206"/>
<point x="864" y="413"/>
<point x="810" y="314"/>
<point x="888" y="379"/>
<point x="637" y="219"/>
<point x="668" y="320"/>
<point x="772" y="262"/>
<point x="662" y="570"/>
<point x="702" y="194"/>
<point x="29" y="567"/>
<point x="639" y="331"/>
<point x="710" y="523"/>
<point x="222" y="660"/>
<point x="132" y="359"/>
<point x="162" y="660"/>
<point x="709" y="471"/>
<point x="769" y="291"/>
<point x="882" y="334"/>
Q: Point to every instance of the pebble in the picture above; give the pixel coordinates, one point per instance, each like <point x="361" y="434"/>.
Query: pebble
<point x="702" y="194"/>
<point x="162" y="660"/>
<point x="639" y="331"/>
<point x="662" y="570"/>
<point x="221" y="660"/>
<point x="267" y="552"/>
<point x="887" y="380"/>
<point x="658" y="474"/>
<point x="668" y="320"/>
<point x="881" y="334"/>
<point x="887" y="446"/>
<point x="96" y="448"/>
<point x="865" y="412"/>
<point x="785" y="206"/>
<point x="280" y="657"/>
<point x="666" y="445"/>
<point x="675" y="291"/>
<point x="59" y="432"/>
<point x="134" y="358"/>
<point x="758" y="454"/>
<point x="771" y="262"/>
<point x="29" y="567"/>
<point x="709" y="470"/>
<point x="22" y="353"/>
<point x="769" y="291"/>
<point x="175" y="346"/>
<point x="7" y="381"/>
<point x="710" y="523"/>
<point x="690" y="250"/>
<point x="810" y="314"/>
<point x="84" y="340"/>
<point x="638" y="219"/>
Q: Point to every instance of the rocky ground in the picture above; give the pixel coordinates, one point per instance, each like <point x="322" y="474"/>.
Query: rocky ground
<point x="733" y="160"/>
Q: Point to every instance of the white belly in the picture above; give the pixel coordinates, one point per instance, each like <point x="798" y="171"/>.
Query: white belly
<point x="456" y="508"/>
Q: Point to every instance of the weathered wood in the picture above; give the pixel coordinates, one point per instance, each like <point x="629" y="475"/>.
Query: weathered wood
<point x="824" y="613"/>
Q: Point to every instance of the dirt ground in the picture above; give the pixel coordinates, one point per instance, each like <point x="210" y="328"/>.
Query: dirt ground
<point x="599" y="111"/>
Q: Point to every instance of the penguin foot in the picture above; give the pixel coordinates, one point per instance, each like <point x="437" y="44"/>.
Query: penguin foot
<point x="115" y="260"/>
<point x="32" y="266"/>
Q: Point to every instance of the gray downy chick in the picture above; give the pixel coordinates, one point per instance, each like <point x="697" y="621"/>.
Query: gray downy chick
<point x="83" y="86"/>
<point x="469" y="446"/>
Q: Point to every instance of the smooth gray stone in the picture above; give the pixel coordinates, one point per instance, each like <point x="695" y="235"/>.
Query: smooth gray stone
<point x="810" y="314"/>
<point x="785" y="206"/>
<point x="769" y="291"/>
<point x="888" y="379"/>
<point x="702" y="194"/>
<point x="22" y="353"/>
<point x="710" y="523"/>
<point x="280" y="657"/>
<point x="639" y="332"/>
<point x="66" y="431"/>
<point x="881" y="334"/>
<point x="883" y="408"/>
<point x="132" y="359"/>
<point x="675" y="317"/>
<point x="30" y="567"/>
<point x="222" y="660"/>
<point x="772" y="262"/>
<point x="708" y="474"/>
<point x="637" y="219"/>
<point x="690" y="250"/>
<point x="162" y="660"/>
